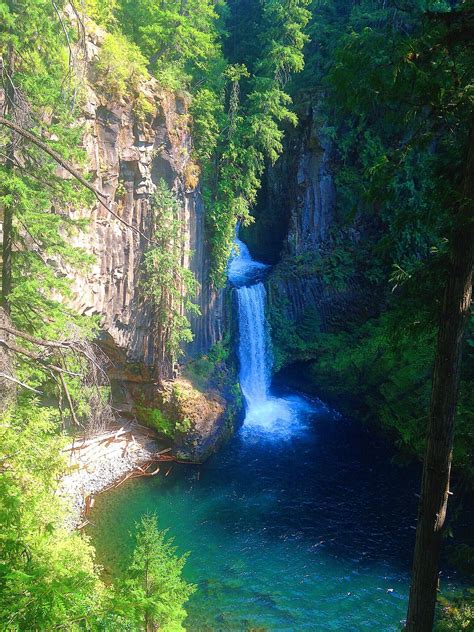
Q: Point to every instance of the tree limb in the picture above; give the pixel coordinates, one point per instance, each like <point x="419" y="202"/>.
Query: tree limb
<point x="36" y="358"/>
<point x="101" y="197"/>
<point x="12" y="379"/>
<point x="32" y="339"/>
<point x="69" y="400"/>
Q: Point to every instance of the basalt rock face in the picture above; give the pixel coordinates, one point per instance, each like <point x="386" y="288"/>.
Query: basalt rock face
<point x="299" y="196"/>
<point x="314" y="204"/>
<point x="127" y="157"/>
<point x="297" y="203"/>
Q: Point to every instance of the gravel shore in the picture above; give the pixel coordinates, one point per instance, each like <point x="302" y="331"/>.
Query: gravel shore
<point x="94" y="468"/>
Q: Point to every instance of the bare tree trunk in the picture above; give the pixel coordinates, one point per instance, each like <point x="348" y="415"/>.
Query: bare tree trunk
<point x="8" y="209"/>
<point x="7" y="386"/>
<point x="437" y="463"/>
<point x="7" y="256"/>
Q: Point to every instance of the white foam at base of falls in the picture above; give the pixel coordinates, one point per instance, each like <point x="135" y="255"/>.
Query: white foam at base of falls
<point x="266" y="416"/>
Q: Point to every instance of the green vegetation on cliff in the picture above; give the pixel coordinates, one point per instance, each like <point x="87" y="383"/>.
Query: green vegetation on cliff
<point x="389" y="87"/>
<point x="238" y="101"/>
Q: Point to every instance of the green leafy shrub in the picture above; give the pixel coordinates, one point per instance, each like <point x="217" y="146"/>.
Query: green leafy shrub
<point x="456" y="615"/>
<point x="210" y="369"/>
<point x="120" y="67"/>
<point x="156" y="419"/>
<point x="143" y="108"/>
<point x="101" y="11"/>
<point x="47" y="573"/>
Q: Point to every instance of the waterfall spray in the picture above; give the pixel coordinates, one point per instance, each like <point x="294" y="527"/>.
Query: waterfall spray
<point x="274" y="416"/>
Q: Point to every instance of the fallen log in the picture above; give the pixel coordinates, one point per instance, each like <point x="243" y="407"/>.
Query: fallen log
<point x="98" y="439"/>
<point x="132" y="475"/>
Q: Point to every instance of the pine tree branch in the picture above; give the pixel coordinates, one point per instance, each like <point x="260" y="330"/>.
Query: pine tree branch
<point x="34" y="340"/>
<point x="101" y="197"/>
<point x="36" y="358"/>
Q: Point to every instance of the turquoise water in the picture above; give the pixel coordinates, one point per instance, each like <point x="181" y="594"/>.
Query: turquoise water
<point x="309" y="531"/>
<point x="302" y="522"/>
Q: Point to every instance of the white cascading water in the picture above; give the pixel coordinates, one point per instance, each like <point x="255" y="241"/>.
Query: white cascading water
<point x="254" y="345"/>
<point x="275" y="416"/>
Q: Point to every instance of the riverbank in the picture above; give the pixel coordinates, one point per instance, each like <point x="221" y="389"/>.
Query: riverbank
<point x="105" y="460"/>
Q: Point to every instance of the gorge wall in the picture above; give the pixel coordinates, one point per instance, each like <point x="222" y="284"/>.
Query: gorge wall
<point x="297" y="228"/>
<point x="342" y="328"/>
<point x="127" y="156"/>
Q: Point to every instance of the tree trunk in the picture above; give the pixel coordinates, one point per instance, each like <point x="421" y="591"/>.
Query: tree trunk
<point x="7" y="386"/>
<point x="437" y="463"/>
<point x="8" y="209"/>
<point x="7" y="256"/>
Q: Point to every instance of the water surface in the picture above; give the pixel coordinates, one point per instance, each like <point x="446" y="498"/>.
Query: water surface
<point x="308" y="532"/>
<point x="302" y="522"/>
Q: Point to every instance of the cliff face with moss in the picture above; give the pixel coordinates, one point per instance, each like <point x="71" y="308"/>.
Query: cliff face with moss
<point x="128" y="153"/>
<point x="127" y="157"/>
<point x="346" y="323"/>
<point x="312" y="287"/>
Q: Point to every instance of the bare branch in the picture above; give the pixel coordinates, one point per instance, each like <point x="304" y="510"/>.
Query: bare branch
<point x="101" y="197"/>
<point x="69" y="400"/>
<point x="32" y="339"/>
<point x="36" y="358"/>
<point x="12" y="379"/>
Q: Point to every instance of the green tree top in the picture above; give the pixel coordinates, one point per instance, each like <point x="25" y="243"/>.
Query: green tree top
<point x="153" y="592"/>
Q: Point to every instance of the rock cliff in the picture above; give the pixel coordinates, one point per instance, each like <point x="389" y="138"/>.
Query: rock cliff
<point x="310" y="289"/>
<point x="126" y="159"/>
<point x="127" y="155"/>
<point x="313" y="207"/>
<point x="297" y="203"/>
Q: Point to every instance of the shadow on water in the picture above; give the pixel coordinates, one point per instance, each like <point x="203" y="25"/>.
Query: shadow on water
<point x="281" y="529"/>
<point x="331" y="486"/>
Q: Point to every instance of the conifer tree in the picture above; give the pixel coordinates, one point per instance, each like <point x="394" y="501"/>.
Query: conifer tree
<point x="153" y="592"/>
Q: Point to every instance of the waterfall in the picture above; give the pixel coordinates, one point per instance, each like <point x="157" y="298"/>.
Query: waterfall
<point x="254" y="345"/>
<point x="273" y="417"/>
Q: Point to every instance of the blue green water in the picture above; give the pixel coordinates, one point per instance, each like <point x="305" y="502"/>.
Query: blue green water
<point x="307" y="531"/>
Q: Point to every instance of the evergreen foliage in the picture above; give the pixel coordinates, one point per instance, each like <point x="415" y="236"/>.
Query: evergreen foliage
<point x="169" y="284"/>
<point x="47" y="576"/>
<point x="256" y="107"/>
<point x="153" y="592"/>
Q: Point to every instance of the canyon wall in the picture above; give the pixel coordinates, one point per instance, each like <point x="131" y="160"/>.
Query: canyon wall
<point x="126" y="159"/>
<point x="128" y="153"/>
<point x="297" y="229"/>
<point x="313" y="208"/>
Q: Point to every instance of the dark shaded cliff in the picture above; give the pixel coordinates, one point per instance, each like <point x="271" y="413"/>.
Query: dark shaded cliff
<point x="314" y="286"/>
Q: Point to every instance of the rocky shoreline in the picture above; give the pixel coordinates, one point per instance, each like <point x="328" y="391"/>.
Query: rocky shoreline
<point x="98" y="463"/>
